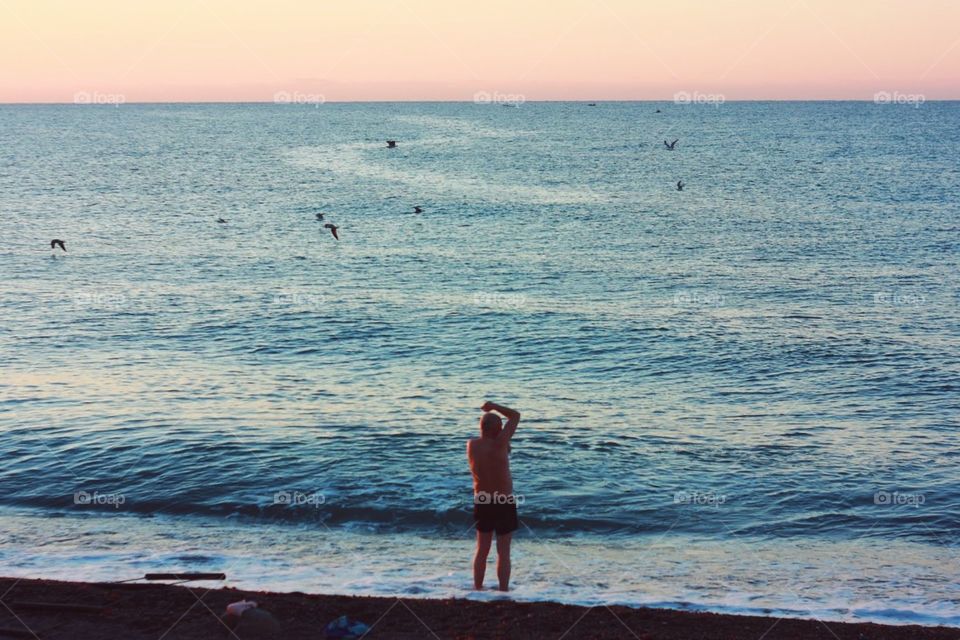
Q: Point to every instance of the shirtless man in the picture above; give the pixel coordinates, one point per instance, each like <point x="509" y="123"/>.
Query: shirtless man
<point x="494" y="505"/>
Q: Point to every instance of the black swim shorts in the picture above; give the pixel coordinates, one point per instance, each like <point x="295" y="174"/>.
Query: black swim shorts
<point x="501" y="518"/>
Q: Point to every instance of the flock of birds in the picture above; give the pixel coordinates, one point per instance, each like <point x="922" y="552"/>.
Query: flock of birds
<point x="391" y="144"/>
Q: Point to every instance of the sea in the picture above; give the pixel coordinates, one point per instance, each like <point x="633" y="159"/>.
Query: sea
<point x="742" y="396"/>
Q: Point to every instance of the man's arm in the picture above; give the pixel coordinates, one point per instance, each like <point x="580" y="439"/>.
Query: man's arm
<point x="513" y="419"/>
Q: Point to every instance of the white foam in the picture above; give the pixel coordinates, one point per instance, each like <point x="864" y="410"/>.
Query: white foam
<point x="903" y="583"/>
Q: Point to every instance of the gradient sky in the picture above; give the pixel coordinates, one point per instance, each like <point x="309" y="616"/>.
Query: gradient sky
<point x="235" y="50"/>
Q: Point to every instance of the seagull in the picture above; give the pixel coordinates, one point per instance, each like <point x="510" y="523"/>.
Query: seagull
<point x="679" y="185"/>
<point x="391" y="144"/>
<point x="319" y="216"/>
<point x="670" y="145"/>
<point x="417" y="209"/>
<point x="333" y="229"/>
<point x="221" y="221"/>
<point x="58" y="243"/>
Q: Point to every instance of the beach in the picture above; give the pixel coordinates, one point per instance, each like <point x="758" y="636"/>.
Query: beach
<point x="738" y="398"/>
<point x="152" y="611"/>
<point x="305" y="335"/>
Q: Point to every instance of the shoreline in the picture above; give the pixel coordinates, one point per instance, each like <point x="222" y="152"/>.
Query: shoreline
<point x="136" y="611"/>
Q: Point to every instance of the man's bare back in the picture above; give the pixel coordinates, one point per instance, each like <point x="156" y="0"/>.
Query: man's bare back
<point x="490" y="466"/>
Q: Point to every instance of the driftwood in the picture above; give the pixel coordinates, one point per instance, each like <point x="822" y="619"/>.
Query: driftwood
<point x="185" y="576"/>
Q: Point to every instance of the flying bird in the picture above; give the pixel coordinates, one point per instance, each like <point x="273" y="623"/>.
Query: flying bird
<point x="58" y="243"/>
<point x="319" y="216"/>
<point x="670" y="145"/>
<point x="417" y="209"/>
<point x="679" y="185"/>
<point x="391" y="144"/>
<point x="333" y="229"/>
<point x="221" y="221"/>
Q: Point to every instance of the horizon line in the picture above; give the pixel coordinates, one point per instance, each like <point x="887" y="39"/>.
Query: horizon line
<point x="479" y="104"/>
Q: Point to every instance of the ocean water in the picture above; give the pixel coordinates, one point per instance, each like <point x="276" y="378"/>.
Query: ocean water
<point x="738" y="397"/>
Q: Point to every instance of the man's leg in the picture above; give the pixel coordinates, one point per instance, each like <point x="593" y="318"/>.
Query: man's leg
<point x="484" y="538"/>
<point x="503" y="560"/>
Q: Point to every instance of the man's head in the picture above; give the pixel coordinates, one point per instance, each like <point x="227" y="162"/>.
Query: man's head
<point x="490" y="425"/>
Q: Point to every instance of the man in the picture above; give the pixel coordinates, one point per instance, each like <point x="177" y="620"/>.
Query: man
<point x="494" y="505"/>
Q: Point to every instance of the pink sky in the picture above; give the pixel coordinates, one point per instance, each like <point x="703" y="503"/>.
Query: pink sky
<point x="231" y="50"/>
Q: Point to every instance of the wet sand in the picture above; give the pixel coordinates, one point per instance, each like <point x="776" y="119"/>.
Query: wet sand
<point x="141" y="611"/>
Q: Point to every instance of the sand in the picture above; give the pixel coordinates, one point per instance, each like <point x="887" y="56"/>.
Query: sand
<point x="155" y="611"/>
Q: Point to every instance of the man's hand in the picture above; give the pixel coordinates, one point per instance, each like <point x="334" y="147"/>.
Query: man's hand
<point x="487" y="406"/>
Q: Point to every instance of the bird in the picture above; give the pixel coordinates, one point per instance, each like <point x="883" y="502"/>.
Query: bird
<point x="671" y="145"/>
<point x="333" y="229"/>
<point x="391" y="144"/>
<point x="58" y="243"/>
<point x="657" y="111"/>
<point x="679" y="185"/>
<point x="319" y="216"/>
<point x="417" y="209"/>
<point x="592" y="104"/>
<point x="221" y="221"/>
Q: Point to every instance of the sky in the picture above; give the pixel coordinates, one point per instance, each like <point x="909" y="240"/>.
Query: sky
<point x="321" y="50"/>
